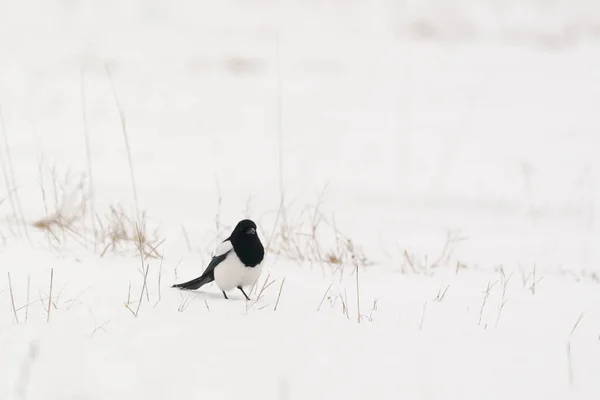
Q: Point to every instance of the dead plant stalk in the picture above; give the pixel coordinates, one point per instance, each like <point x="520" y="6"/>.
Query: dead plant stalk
<point x="486" y="294"/>
<point x="126" y="138"/>
<point x="279" y="295"/>
<point x="357" y="295"/>
<point x="50" y="295"/>
<point x="324" y="296"/>
<point x="423" y="316"/>
<point x="9" y="179"/>
<point x="88" y="152"/>
<point x="27" y="304"/>
<point x="12" y="299"/>
<point x="503" y="300"/>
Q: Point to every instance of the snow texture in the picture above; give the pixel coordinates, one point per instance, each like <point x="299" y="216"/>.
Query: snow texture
<point x="455" y="143"/>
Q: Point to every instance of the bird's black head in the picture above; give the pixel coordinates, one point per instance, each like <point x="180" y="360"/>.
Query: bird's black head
<point x="246" y="243"/>
<point x="245" y="227"/>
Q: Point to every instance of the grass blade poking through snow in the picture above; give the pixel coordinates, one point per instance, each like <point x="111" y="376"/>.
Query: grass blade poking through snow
<point x="50" y="295"/>
<point x="126" y="137"/>
<point x="279" y="295"/>
<point x="9" y="180"/>
<point x="12" y="299"/>
<point x="357" y="293"/>
<point x="324" y="296"/>
<point x="88" y="152"/>
<point x="27" y="303"/>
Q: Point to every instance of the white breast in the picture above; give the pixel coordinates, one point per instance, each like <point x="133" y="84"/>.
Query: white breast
<point x="231" y="273"/>
<point x="252" y="275"/>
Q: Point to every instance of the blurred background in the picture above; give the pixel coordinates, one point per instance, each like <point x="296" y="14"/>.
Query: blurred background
<point x="415" y="118"/>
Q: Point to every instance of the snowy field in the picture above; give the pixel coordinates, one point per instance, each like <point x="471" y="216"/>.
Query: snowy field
<point x="439" y="229"/>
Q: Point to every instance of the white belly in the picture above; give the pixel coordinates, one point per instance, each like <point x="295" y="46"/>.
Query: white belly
<point x="231" y="273"/>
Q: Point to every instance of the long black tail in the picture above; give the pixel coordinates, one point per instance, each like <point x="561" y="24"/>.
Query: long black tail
<point x="194" y="283"/>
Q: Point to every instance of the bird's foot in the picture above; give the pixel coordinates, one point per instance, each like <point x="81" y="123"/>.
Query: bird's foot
<point x="245" y="295"/>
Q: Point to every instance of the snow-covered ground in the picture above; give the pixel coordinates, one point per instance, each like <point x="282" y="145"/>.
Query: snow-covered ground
<point x="456" y="145"/>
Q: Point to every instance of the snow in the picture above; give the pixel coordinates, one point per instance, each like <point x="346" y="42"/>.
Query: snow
<point x="407" y="123"/>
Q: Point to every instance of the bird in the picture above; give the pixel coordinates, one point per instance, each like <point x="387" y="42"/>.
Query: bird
<point x="235" y="264"/>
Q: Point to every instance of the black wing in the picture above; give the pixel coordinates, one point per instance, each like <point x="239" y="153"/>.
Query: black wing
<point x="207" y="276"/>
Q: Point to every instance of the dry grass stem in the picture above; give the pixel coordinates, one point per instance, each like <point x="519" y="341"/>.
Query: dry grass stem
<point x="185" y="303"/>
<point x="570" y="365"/>
<point x="187" y="238"/>
<point x="11" y="185"/>
<point x="159" y="280"/>
<point x="423" y="316"/>
<point x="265" y="286"/>
<point x="144" y="286"/>
<point x="486" y="294"/>
<point x="279" y="294"/>
<point x="126" y="138"/>
<point x="421" y="265"/>
<point x="50" y="295"/>
<point x="324" y="296"/>
<point x="357" y="290"/>
<point x="441" y="294"/>
<point x="27" y="303"/>
<point x="310" y="236"/>
<point x="7" y="182"/>
<point x="12" y="299"/>
<point x="88" y="152"/>
<point x="577" y="323"/>
<point x="504" y="283"/>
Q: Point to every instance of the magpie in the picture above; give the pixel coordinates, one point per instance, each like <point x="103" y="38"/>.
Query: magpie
<point x="236" y="263"/>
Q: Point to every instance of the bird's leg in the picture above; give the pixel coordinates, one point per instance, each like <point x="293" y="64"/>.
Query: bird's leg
<point x="224" y="294"/>
<point x="245" y="295"/>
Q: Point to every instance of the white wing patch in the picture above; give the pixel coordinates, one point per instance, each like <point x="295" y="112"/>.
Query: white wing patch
<point x="224" y="248"/>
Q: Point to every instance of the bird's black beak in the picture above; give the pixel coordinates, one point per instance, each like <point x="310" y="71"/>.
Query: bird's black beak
<point x="251" y="231"/>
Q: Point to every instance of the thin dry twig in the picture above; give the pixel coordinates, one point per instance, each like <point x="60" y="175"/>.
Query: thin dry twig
<point x="50" y="295"/>
<point x="74" y="300"/>
<point x="324" y="296"/>
<point x="13" y="180"/>
<point x="129" y="293"/>
<point x="279" y="295"/>
<point x="187" y="238"/>
<point x="486" y="294"/>
<point x="12" y="299"/>
<point x="409" y="261"/>
<point x="10" y="189"/>
<point x="126" y="138"/>
<point x="441" y="294"/>
<point x="159" y="279"/>
<point x="185" y="303"/>
<point x="373" y="309"/>
<point x="534" y="280"/>
<point x="259" y="297"/>
<point x="346" y="304"/>
<point x="27" y="304"/>
<point x="423" y="316"/>
<point x="88" y="152"/>
<point x="357" y="292"/>
<point x="503" y="300"/>
<point x="144" y="286"/>
<point x="577" y="323"/>
<point x="570" y="364"/>
<point x="279" y="211"/>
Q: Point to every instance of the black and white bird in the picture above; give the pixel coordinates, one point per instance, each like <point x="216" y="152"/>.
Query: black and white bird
<point x="237" y="262"/>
